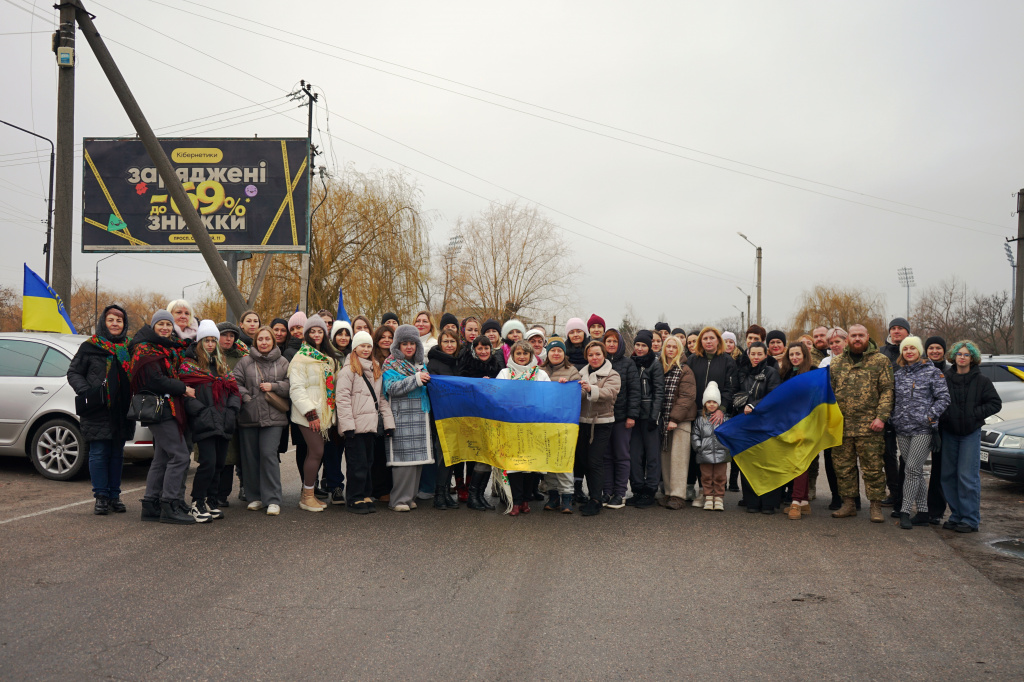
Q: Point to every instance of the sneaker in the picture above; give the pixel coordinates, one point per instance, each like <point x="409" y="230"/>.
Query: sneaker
<point x="420" y="495"/>
<point x="719" y="504"/>
<point x="273" y="510"/>
<point x="199" y="513"/>
<point x="400" y="508"/>
<point x="360" y="507"/>
<point x="950" y="524"/>
<point x="709" y="504"/>
<point x="318" y="493"/>
<point x="412" y="504"/>
<point x="338" y="495"/>
<point x="591" y="508"/>
<point x="615" y="502"/>
<point x="691" y="493"/>
<point x="646" y="499"/>
<point x="255" y="505"/>
<point x="566" y="507"/>
<point x="698" y="501"/>
<point x="965" y="528"/>
<point x="215" y="512"/>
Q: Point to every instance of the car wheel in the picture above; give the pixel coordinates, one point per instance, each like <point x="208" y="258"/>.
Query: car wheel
<point x="58" y="451"/>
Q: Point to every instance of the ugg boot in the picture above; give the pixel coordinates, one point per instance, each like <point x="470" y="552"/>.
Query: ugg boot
<point x="875" y="513"/>
<point x="308" y="501"/>
<point x="848" y="509"/>
<point x="794" y="512"/>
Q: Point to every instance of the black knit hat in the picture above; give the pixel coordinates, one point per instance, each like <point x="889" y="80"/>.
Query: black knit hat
<point x="661" y="325"/>
<point x="678" y="330"/>
<point x="644" y="336"/>
<point x="448" y="319"/>
<point x="389" y="316"/>
<point x="491" y="324"/>
<point x="278" y="320"/>
<point x="776" y="334"/>
<point x="900" y="322"/>
<point x="935" y="339"/>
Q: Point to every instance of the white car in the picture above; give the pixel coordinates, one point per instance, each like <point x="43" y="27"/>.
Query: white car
<point x="37" y="406"/>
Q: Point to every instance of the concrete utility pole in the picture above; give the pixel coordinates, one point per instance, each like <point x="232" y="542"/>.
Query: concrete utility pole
<point x="311" y="99"/>
<point x="65" y="166"/>
<point x="227" y="284"/>
<point x="1018" y="295"/>
<point x="758" y="274"/>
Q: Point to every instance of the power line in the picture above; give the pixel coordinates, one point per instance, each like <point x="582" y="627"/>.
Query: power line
<point x="582" y="119"/>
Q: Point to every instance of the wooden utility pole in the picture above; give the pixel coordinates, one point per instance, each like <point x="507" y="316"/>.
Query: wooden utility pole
<point x="65" y="162"/>
<point x="1018" y="317"/>
<point x="227" y="284"/>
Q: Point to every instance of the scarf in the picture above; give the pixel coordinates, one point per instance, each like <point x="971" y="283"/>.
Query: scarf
<point x="168" y="359"/>
<point x="115" y="350"/>
<point x="671" y="384"/>
<point x="222" y="386"/>
<point x="398" y="368"/>
<point x="239" y="350"/>
<point x="328" y="371"/>
<point x="518" y="372"/>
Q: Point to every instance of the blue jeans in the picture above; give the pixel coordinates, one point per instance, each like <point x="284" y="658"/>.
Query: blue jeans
<point x="961" y="477"/>
<point x="106" y="457"/>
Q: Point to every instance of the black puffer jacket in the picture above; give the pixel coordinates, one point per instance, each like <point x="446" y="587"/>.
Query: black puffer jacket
<point x="291" y="347"/>
<point x="441" y="364"/>
<point x="206" y="419"/>
<point x="576" y="354"/>
<point x="88" y="373"/>
<point x="471" y="366"/>
<point x="627" y="403"/>
<point x="973" y="398"/>
<point x="152" y="378"/>
<point x="652" y="385"/>
<point x="720" y="369"/>
<point x="758" y="382"/>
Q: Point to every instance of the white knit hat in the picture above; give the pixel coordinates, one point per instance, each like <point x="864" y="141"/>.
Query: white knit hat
<point x="712" y="393"/>
<point x="360" y="338"/>
<point x="207" y="328"/>
<point x="534" y="332"/>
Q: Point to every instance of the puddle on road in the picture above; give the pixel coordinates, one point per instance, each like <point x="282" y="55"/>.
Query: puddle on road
<point x="1014" y="547"/>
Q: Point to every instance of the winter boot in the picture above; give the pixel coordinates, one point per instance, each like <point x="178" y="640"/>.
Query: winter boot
<point x="554" y="501"/>
<point x="475" y="492"/>
<point x="876" y="512"/>
<point x="920" y="519"/>
<point x="566" y="507"/>
<point x="848" y="509"/>
<point x="308" y="501"/>
<point x="150" y="509"/>
<point x="440" y="491"/>
<point x="175" y="512"/>
<point x="905" y="523"/>
<point x="579" y="497"/>
<point x="117" y="506"/>
<point x="646" y="498"/>
<point x="102" y="506"/>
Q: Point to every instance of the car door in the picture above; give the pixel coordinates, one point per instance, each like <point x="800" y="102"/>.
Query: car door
<point x="28" y="380"/>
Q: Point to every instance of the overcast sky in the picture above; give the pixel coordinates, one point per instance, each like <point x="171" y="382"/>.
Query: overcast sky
<point x="774" y="119"/>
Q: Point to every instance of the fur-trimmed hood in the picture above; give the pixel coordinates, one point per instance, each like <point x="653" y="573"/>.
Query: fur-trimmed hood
<point x="407" y="333"/>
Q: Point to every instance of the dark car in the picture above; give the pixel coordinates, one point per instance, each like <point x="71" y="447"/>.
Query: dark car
<point x="1002" y="449"/>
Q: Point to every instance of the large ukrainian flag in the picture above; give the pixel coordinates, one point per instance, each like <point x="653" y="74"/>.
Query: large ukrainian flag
<point x="511" y="425"/>
<point x="778" y="441"/>
<point x="41" y="307"/>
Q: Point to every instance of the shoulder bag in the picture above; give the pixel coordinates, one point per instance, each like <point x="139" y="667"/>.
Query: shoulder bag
<point x="147" y="408"/>
<point x="274" y="400"/>
<point x="376" y="406"/>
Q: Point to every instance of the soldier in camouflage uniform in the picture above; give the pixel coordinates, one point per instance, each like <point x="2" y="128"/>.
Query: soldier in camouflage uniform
<point x="863" y="383"/>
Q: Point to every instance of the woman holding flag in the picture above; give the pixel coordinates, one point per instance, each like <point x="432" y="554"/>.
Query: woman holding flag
<point x="522" y="366"/>
<point x="99" y="377"/>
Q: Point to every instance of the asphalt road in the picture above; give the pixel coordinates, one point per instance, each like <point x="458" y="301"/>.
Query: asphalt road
<point x="641" y="594"/>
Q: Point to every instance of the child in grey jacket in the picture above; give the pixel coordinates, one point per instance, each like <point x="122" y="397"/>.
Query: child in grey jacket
<point x="711" y="455"/>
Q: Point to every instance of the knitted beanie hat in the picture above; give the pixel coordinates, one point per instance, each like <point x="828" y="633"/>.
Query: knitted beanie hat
<point x="914" y="341"/>
<point x="297" y="320"/>
<point x="776" y="334"/>
<point x="900" y="322"/>
<point x="314" y="321"/>
<point x="712" y="393"/>
<point x="338" y="326"/>
<point x="448" y="319"/>
<point x="207" y="328"/>
<point x="574" y="324"/>
<point x="555" y="342"/>
<point x="491" y="324"/>
<point x="510" y="325"/>
<point x="361" y="338"/>
<point x="645" y="337"/>
<point x="662" y="325"/>
<point x="161" y="315"/>
<point x="389" y="316"/>
<point x="534" y="332"/>
<point x="936" y="339"/>
<point x="595" y="319"/>
<point x="729" y="336"/>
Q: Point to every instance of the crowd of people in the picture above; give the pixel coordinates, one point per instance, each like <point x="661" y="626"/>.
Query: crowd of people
<point x="232" y="397"/>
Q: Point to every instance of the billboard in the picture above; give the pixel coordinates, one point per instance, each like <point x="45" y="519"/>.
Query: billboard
<point x="251" y="194"/>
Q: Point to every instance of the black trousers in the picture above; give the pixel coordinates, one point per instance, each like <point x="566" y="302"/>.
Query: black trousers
<point x="591" y="456"/>
<point x="893" y="468"/>
<point x="359" y="462"/>
<point x="212" y="453"/>
<point x="936" y="499"/>
<point x="380" y="473"/>
<point x="830" y="474"/>
<point x="521" y="483"/>
<point x="300" y="448"/>
<point x="769" y="500"/>
<point x="734" y="475"/>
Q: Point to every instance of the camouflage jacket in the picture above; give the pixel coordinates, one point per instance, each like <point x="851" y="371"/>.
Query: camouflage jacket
<point x="863" y="388"/>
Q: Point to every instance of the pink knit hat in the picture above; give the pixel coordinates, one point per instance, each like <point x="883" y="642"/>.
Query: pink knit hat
<point x="575" y="323"/>
<point x="297" y="320"/>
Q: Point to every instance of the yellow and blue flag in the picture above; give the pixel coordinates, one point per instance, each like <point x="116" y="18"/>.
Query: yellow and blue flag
<point x="41" y="307"/>
<point x="778" y="441"/>
<point x="511" y="425"/>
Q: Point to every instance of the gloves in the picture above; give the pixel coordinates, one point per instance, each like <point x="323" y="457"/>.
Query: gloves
<point x="349" y="434"/>
<point x="652" y="424"/>
<point x="388" y="433"/>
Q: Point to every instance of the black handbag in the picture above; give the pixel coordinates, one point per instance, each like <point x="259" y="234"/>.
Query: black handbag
<point x="380" y="417"/>
<point x="91" y="402"/>
<point x="739" y="401"/>
<point x="147" y="408"/>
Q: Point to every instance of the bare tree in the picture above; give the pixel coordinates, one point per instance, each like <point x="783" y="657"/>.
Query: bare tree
<point x="833" y="306"/>
<point x="10" y="309"/>
<point x="948" y="309"/>
<point x="516" y="264"/>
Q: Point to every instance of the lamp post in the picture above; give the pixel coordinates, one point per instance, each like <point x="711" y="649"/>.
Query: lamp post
<point x="49" y="201"/>
<point x="1013" y="281"/>
<point x="96" y="294"/>
<point x="748" y="301"/>
<point x="906" y="276"/>
<point x="742" y="326"/>
<point x="189" y="286"/>
<point x="746" y="239"/>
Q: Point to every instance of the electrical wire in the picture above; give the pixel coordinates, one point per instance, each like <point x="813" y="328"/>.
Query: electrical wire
<point x="579" y="118"/>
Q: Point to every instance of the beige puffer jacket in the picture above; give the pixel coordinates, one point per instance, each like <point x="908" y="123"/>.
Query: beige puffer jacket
<point x="308" y="391"/>
<point x="356" y="411"/>
<point x="567" y="370"/>
<point x="598" y="406"/>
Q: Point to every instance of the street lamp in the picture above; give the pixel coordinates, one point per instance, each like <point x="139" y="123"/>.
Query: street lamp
<point x="742" y="325"/>
<point x="189" y="286"/>
<point x="906" y="276"/>
<point x="49" y="207"/>
<point x="96" y="294"/>
<point x="746" y="239"/>
<point x="1013" y="282"/>
<point x="748" y="301"/>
